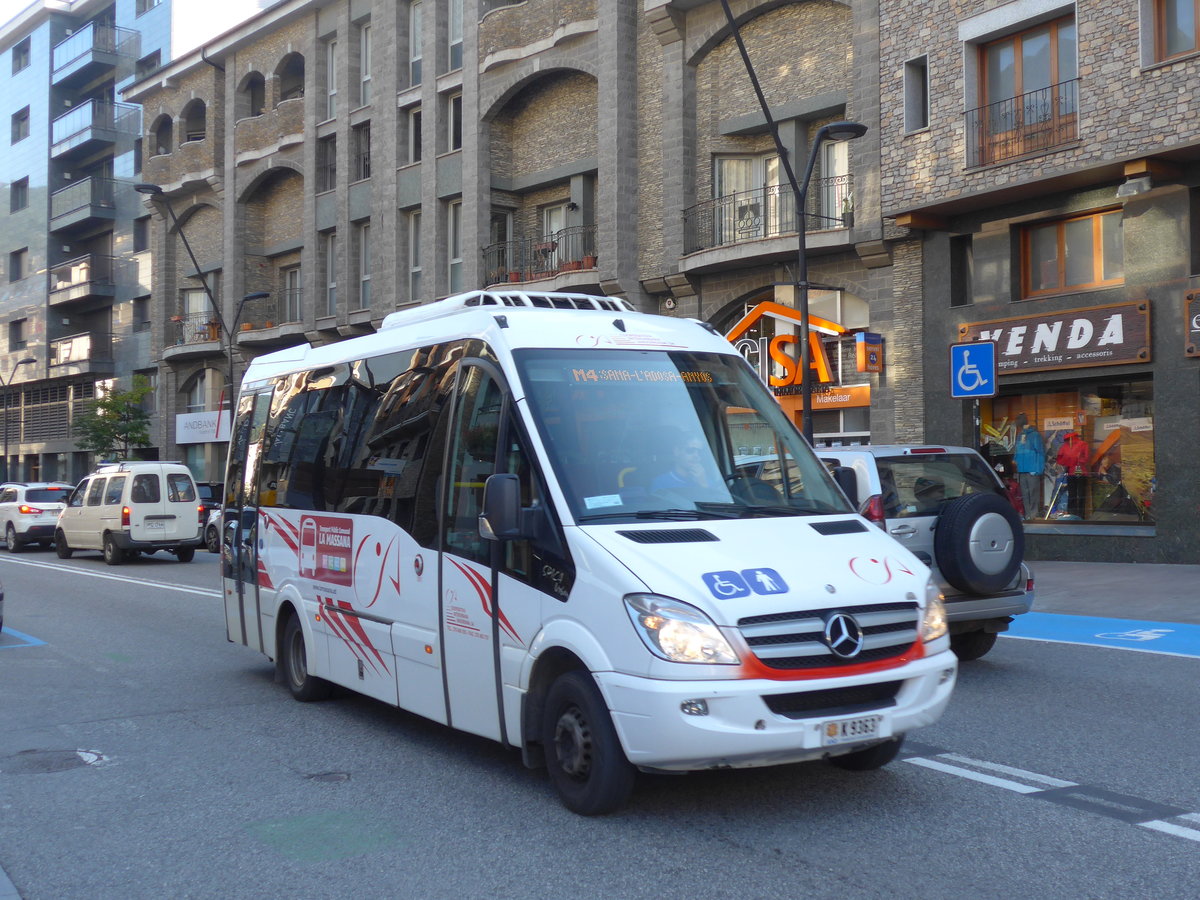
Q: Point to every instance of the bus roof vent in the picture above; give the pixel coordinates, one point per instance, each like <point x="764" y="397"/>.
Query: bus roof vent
<point x="509" y="299"/>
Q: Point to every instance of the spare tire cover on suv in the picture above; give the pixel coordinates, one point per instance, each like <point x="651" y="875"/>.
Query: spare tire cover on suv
<point x="979" y="543"/>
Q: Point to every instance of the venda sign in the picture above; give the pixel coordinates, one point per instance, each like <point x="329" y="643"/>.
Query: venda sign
<point x="202" y="427"/>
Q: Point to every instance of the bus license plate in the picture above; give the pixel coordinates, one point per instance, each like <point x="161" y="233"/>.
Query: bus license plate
<point x="847" y="731"/>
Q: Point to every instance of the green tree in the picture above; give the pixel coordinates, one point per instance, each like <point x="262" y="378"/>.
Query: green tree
<point x="115" y="423"/>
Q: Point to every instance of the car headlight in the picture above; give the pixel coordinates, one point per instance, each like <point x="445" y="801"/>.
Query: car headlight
<point x="934" y="624"/>
<point x="678" y="632"/>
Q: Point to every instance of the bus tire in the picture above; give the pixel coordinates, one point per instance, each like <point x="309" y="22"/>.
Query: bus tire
<point x="587" y="766"/>
<point x="294" y="658"/>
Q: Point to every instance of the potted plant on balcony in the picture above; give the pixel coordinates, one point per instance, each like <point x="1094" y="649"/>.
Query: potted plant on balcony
<point x="589" y="261"/>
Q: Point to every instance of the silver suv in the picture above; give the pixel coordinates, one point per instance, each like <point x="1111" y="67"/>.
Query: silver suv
<point x="949" y="508"/>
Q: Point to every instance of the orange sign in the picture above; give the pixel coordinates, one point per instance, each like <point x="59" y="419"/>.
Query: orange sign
<point x="790" y="364"/>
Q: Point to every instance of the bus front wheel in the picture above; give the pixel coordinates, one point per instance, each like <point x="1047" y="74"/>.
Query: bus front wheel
<point x="583" y="754"/>
<point x="304" y="687"/>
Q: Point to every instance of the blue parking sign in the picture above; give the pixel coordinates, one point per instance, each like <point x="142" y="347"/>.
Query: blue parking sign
<point x="973" y="369"/>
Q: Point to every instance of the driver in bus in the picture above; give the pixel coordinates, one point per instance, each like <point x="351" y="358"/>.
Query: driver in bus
<point x="687" y="469"/>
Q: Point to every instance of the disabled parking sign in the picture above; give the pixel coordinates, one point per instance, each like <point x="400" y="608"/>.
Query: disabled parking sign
<point x="973" y="370"/>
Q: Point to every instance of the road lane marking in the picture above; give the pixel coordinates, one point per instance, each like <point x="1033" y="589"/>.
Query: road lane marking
<point x="1008" y="770"/>
<point x="10" y="638"/>
<point x="1005" y="783"/>
<point x="1162" y="638"/>
<point x="124" y="579"/>
<point x="1192" y="833"/>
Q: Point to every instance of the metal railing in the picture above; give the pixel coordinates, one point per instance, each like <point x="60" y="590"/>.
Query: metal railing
<point x="86" y="192"/>
<point x="94" y="37"/>
<point x="767" y="212"/>
<point x="80" y="276"/>
<point x="124" y="118"/>
<point x="567" y="250"/>
<point x="1030" y="123"/>
<point x="194" y="328"/>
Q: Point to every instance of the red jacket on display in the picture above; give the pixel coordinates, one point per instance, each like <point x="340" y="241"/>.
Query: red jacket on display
<point x="1073" y="454"/>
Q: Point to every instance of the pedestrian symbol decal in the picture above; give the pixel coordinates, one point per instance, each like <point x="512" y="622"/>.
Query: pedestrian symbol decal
<point x="730" y="585"/>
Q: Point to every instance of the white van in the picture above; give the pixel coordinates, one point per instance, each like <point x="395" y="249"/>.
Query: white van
<point x="128" y="508"/>
<point x="521" y="515"/>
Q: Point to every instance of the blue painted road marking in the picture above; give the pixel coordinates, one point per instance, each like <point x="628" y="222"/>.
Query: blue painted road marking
<point x="726" y="585"/>
<point x="1171" y="638"/>
<point x="765" y="581"/>
<point x="10" y="639"/>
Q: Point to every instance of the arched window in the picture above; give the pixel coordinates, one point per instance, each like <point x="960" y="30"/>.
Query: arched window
<point x="163" y="137"/>
<point x="254" y="94"/>
<point x="290" y="73"/>
<point x="195" y="121"/>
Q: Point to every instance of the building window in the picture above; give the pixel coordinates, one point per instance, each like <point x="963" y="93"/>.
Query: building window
<point x="147" y="64"/>
<point x="454" y="245"/>
<point x="916" y="94"/>
<point x="456" y="34"/>
<point x="361" y="135"/>
<point x="150" y="401"/>
<point x="18" y="195"/>
<point x="1030" y="91"/>
<point x="20" y="55"/>
<point x="331" y="62"/>
<point x="362" y="240"/>
<point x="195" y="121"/>
<point x="291" y="77"/>
<point x="293" y="294"/>
<point x="145" y="5"/>
<point x="254" y="94"/>
<point x="1082" y="454"/>
<point x="327" y="163"/>
<point x="1175" y="28"/>
<point x="137" y="156"/>
<point x="20" y="125"/>
<point x="414" y="43"/>
<point x="1072" y="254"/>
<point x="163" y="142"/>
<point x="18" y="264"/>
<point x="195" y="393"/>
<point x="414" y="134"/>
<point x="141" y="313"/>
<point x="17" y="337"/>
<point x="329" y="270"/>
<point x="141" y="234"/>
<point x="750" y="200"/>
<point x="364" y="64"/>
<point x="414" y="255"/>
<point x="454" y="121"/>
<point x="962" y="270"/>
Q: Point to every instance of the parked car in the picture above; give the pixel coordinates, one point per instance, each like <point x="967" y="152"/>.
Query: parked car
<point x="212" y="531"/>
<point x="211" y="494"/>
<point x="29" y="512"/>
<point x="129" y="508"/>
<point x="949" y="508"/>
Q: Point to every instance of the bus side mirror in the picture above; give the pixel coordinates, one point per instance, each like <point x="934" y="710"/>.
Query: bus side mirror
<point x="848" y="482"/>
<point x="501" y="516"/>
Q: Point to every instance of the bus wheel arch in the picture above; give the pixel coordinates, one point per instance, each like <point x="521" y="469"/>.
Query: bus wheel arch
<point x="291" y="658"/>
<point x="550" y="665"/>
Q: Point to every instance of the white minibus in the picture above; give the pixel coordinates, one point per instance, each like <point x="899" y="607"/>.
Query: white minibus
<point x="526" y="516"/>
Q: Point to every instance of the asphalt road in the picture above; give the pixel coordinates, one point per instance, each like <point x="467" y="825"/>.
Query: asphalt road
<point x="141" y="755"/>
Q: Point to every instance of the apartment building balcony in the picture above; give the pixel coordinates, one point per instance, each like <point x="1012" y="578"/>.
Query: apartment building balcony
<point x="514" y="29"/>
<point x="760" y="225"/>
<point x="92" y="51"/>
<point x="85" y="282"/>
<point x="191" y="162"/>
<point x="1032" y="123"/>
<point x="91" y="127"/>
<point x="82" y="204"/>
<point x="193" y="336"/>
<point x="271" y="131"/>
<point x="87" y="353"/>
<point x="273" y="323"/>
<point x="564" y="260"/>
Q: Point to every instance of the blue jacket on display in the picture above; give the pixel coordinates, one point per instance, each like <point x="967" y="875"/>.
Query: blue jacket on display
<point x="1029" y="454"/>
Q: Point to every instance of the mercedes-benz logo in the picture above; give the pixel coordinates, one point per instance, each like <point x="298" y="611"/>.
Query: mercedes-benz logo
<point x="843" y="635"/>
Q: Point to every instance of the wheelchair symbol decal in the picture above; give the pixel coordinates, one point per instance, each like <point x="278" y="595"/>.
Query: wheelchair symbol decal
<point x="729" y="585"/>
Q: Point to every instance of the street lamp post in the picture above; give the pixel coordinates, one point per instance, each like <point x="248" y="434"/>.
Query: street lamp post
<point x="28" y="360"/>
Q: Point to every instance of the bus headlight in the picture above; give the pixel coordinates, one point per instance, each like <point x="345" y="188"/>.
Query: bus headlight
<point x="934" y="624"/>
<point x="678" y="632"/>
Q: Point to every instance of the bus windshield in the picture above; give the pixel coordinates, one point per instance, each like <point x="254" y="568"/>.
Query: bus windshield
<point x="651" y="434"/>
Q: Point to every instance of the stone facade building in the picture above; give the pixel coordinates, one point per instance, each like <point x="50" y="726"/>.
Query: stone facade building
<point x="1044" y="155"/>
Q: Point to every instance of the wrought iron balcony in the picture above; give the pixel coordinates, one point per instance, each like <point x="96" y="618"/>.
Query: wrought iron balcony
<point x="194" y="328"/>
<point x="767" y="212"/>
<point x="1031" y="123"/>
<point x="568" y="250"/>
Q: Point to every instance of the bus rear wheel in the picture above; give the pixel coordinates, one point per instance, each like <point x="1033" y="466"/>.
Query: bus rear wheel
<point x="587" y="766"/>
<point x="294" y="659"/>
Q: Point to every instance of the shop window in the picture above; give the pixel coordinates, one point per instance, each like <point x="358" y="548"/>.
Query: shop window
<point x="1080" y="455"/>
<point x="1072" y="254"/>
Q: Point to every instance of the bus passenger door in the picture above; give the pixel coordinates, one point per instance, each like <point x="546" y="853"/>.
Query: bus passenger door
<point x="239" y="523"/>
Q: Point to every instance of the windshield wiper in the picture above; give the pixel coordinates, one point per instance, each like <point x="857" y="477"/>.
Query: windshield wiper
<point x="669" y="515"/>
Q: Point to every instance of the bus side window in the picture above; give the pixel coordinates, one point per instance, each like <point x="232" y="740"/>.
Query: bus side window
<point x="472" y="460"/>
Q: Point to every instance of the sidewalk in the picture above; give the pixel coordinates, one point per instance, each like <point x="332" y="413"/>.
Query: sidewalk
<point x="1153" y="592"/>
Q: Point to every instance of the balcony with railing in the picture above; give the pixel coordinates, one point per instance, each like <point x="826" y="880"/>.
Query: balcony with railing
<point x="84" y="280"/>
<point x="1032" y="123"/>
<point x="91" y="51"/>
<point x="87" y="353"/>
<point x="193" y="335"/>
<point x="271" y="131"/>
<point x="767" y="212"/>
<point x="273" y="322"/>
<point x="92" y="126"/>
<point x="82" y="203"/>
<point x="568" y="255"/>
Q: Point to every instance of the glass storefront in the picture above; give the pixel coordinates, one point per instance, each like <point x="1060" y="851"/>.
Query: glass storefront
<point x="1083" y="454"/>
